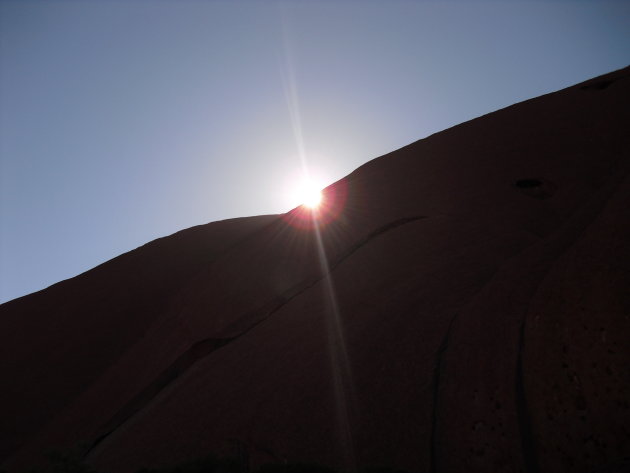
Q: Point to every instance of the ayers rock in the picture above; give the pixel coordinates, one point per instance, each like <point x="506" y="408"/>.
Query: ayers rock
<point x="462" y="305"/>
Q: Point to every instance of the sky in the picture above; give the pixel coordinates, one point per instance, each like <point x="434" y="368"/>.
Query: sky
<point x="125" y="121"/>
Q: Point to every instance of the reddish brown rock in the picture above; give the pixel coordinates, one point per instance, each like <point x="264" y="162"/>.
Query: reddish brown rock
<point x="463" y="305"/>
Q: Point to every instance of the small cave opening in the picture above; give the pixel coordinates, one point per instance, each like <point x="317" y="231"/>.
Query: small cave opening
<point x="528" y="183"/>
<point x="599" y="85"/>
<point x="536" y="187"/>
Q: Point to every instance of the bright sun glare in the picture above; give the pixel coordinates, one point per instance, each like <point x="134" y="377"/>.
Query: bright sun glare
<point x="310" y="195"/>
<point x="305" y="189"/>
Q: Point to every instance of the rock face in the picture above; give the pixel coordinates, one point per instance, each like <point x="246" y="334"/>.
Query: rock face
<point x="460" y="304"/>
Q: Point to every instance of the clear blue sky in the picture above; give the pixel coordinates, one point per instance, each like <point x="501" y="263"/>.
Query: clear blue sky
<point x="124" y="121"/>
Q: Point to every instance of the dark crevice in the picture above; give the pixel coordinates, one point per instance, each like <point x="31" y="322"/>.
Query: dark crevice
<point x="438" y="369"/>
<point x="371" y="236"/>
<point x="198" y="351"/>
<point x="437" y="373"/>
<point x="530" y="458"/>
<point x="205" y="347"/>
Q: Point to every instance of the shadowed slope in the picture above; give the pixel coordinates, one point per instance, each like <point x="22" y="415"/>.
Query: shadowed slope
<point x="470" y="314"/>
<point x="56" y="342"/>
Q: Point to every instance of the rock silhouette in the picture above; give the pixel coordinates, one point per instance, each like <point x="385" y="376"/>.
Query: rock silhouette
<point x="460" y="304"/>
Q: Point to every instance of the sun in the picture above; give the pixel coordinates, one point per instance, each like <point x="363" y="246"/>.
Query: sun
<point x="310" y="195"/>
<point x="306" y="190"/>
<point x="313" y="201"/>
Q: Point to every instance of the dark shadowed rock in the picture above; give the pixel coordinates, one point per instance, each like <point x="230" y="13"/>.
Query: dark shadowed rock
<point x="461" y="305"/>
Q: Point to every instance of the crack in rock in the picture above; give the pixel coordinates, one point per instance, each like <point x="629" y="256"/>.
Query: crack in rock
<point x="204" y="348"/>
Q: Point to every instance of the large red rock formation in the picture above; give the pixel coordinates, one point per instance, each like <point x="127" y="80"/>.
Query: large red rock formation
<point x="460" y="304"/>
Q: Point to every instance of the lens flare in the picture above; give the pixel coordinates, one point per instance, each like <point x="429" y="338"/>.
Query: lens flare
<point x="323" y="208"/>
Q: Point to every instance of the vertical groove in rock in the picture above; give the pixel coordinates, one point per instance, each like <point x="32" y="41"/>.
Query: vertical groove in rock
<point x="528" y="447"/>
<point x="437" y="373"/>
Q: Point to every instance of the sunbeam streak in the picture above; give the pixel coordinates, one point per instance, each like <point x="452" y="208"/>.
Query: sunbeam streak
<point x="340" y="364"/>
<point x="291" y="96"/>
